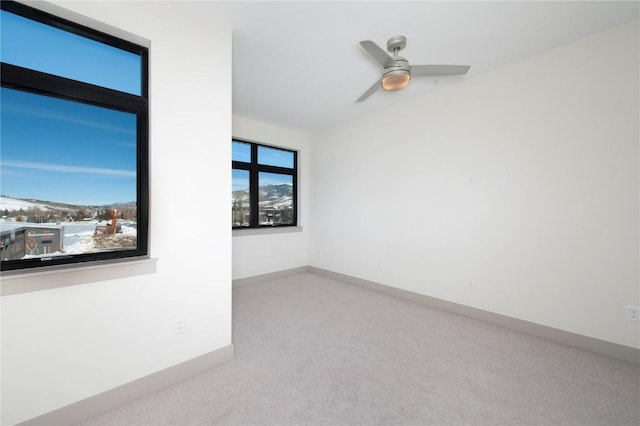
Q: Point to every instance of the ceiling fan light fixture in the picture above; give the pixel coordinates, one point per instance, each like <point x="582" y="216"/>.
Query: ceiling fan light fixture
<point x="396" y="80"/>
<point x="396" y="71"/>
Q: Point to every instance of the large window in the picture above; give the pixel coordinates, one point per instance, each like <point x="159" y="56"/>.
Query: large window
<point x="264" y="186"/>
<point x="74" y="142"/>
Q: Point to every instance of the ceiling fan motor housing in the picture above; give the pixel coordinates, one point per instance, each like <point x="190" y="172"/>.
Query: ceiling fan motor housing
<point x="396" y="76"/>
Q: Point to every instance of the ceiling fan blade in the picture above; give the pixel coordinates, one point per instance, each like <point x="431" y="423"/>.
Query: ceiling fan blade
<point x="376" y="52"/>
<point x="377" y="85"/>
<point x="436" y="70"/>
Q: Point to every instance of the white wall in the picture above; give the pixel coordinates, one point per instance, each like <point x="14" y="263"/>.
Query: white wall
<point x="557" y="246"/>
<point x="63" y="345"/>
<point x="270" y="252"/>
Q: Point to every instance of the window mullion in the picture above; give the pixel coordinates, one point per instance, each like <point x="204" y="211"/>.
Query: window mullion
<point x="240" y="165"/>
<point x="275" y="169"/>
<point x="253" y="187"/>
<point x="38" y="82"/>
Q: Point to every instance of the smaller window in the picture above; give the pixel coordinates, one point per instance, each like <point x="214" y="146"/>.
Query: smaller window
<point x="264" y="186"/>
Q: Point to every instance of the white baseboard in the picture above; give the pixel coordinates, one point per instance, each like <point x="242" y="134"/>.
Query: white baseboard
<point x="86" y="408"/>
<point x="589" y="344"/>
<point x="270" y="276"/>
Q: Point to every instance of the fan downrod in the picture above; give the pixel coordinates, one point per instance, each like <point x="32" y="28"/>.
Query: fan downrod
<point x="396" y="44"/>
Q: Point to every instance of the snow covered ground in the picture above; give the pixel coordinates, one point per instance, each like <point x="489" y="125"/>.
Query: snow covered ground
<point x="78" y="236"/>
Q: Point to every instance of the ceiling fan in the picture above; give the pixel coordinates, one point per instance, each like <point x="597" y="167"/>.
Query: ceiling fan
<point x="396" y="70"/>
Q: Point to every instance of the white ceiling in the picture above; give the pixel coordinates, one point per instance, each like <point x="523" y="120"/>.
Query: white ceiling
<point x="300" y="65"/>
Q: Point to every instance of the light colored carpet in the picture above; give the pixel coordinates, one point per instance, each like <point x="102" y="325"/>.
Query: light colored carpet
<point x="315" y="351"/>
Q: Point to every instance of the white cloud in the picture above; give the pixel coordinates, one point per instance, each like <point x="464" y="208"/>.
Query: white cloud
<point x="68" y="169"/>
<point x="51" y="114"/>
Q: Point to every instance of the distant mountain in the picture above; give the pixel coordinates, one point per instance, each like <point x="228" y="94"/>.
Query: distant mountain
<point x="277" y="196"/>
<point x="12" y="204"/>
<point x="120" y="206"/>
<point x="241" y="194"/>
<point x="280" y="190"/>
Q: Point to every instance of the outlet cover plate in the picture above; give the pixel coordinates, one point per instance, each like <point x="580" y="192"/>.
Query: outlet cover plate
<point x="632" y="313"/>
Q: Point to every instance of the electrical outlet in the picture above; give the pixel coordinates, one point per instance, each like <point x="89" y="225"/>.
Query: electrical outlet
<point x="470" y="180"/>
<point x="508" y="177"/>
<point x="632" y="313"/>
<point x="470" y="284"/>
<point x="179" y="326"/>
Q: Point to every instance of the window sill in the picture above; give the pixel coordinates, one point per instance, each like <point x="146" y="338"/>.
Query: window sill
<point x="266" y="231"/>
<point x="17" y="282"/>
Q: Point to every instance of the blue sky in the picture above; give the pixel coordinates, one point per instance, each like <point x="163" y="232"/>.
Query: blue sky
<point x="56" y="150"/>
<point x="41" y="47"/>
